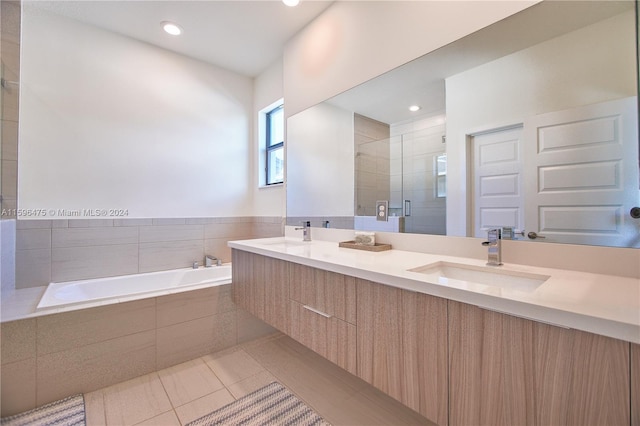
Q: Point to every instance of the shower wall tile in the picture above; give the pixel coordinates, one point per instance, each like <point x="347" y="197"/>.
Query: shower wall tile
<point x="94" y="366"/>
<point x="152" y="234"/>
<point x="9" y="140"/>
<point x="31" y="239"/>
<point x="73" y="263"/>
<point x="87" y="237"/>
<point x="33" y="268"/>
<point x="73" y="249"/>
<point x="74" y="329"/>
<point x="165" y="255"/>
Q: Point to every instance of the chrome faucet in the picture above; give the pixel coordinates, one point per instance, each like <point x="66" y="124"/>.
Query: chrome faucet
<point x="494" y="245"/>
<point x="306" y="231"/>
<point x="208" y="261"/>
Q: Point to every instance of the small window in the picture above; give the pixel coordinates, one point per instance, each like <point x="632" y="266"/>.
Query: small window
<point x="275" y="146"/>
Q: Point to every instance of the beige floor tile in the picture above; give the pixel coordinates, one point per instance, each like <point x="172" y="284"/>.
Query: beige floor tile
<point x="233" y="367"/>
<point x="94" y="408"/>
<point x="203" y="406"/>
<point x="165" y="419"/>
<point x="189" y="381"/>
<point x="250" y="384"/>
<point x="135" y="400"/>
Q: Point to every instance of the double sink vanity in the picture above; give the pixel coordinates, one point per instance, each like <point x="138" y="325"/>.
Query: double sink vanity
<point x="455" y="340"/>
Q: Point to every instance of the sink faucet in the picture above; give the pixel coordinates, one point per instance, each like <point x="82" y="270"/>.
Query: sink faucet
<point x="494" y="245"/>
<point x="306" y="231"/>
<point x="208" y="261"/>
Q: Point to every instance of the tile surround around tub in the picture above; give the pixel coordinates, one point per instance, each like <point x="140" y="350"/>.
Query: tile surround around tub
<point x="58" y="355"/>
<point x="73" y="249"/>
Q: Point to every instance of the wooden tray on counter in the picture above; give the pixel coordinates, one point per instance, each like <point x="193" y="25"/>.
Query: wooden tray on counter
<point x="353" y="245"/>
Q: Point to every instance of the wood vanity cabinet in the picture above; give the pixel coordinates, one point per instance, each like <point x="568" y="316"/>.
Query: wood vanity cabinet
<point x="323" y="313"/>
<point x="402" y="346"/>
<point x="506" y="370"/>
<point x="261" y="286"/>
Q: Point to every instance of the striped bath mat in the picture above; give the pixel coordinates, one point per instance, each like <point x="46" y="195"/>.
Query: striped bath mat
<point x="272" y="405"/>
<point x="66" y="412"/>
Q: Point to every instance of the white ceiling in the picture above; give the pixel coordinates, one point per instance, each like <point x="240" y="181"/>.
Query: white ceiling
<point x="242" y="36"/>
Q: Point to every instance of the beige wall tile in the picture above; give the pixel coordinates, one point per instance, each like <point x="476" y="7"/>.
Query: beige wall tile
<point x="9" y="140"/>
<point x="90" y="223"/>
<point x="232" y="367"/>
<point x="30" y="239"/>
<point x="94" y="408"/>
<point x="18" y="340"/>
<point x="9" y="178"/>
<point x="192" y="339"/>
<point x="203" y="406"/>
<point x="18" y="386"/>
<point x="189" y="381"/>
<point x="135" y="400"/>
<point x="250" y="327"/>
<point x="132" y="222"/>
<point x="152" y="234"/>
<point x="92" y="367"/>
<point x="161" y="256"/>
<point x="84" y="237"/>
<point x="33" y="268"/>
<point x="218" y="248"/>
<point x="186" y="306"/>
<point x="169" y="221"/>
<point x="75" y="263"/>
<point x="230" y="230"/>
<point x="70" y="330"/>
<point x="33" y="224"/>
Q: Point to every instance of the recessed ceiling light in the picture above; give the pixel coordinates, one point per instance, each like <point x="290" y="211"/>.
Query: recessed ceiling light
<point x="414" y="108"/>
<point x="171" y="28"/>
<point x="291" y="2"/>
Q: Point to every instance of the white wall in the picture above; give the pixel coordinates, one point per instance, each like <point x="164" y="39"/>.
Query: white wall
<point x="268" y="88"/>
<point x="110" y="122"/>
<point x="324" y="180"/>
<point x="483" y="98"/>
<point x="352" y="42"/>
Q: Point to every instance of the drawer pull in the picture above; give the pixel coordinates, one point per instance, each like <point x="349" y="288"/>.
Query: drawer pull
<point x="315" y="311"/>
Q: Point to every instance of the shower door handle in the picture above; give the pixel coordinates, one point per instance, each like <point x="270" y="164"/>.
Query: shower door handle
<point x="407" y="207"/>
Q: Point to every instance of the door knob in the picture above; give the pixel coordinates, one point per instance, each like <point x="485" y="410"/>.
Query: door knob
<point x="534" y="235"/>
<point x="635" y="212"/>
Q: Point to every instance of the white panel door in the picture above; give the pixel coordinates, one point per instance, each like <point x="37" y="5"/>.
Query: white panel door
<point x="497" y="174"/>
<point x="581" y="174"/>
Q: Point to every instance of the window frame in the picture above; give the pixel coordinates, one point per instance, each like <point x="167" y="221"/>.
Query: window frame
<point x="270" y="148"/>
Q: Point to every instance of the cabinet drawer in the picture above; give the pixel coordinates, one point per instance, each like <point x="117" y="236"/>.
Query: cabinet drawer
<point x="325" y="334"/>
<point x="328" y="292"/>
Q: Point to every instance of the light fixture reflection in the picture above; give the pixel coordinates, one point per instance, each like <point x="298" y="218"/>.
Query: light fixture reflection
<point x="291" y="3"/>
<point x="414" y="108"/>
<point x="171" y="28"/>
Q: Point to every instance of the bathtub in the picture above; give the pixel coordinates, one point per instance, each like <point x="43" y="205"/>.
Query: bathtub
<point x="131" y="287"/>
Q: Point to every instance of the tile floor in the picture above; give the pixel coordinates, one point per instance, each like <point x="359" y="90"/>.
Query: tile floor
<point x="185" y="392"/>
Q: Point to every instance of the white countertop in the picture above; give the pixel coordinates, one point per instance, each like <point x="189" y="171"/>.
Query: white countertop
<point x="602" y="304"/>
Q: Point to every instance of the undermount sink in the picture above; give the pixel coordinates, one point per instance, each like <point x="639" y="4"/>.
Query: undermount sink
<point x="443" y="272"/>
<point x="283" y="244"/>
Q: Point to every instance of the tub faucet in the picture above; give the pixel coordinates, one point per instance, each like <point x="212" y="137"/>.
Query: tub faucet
<point x="306" y="231"/>
<point x="494" y="245"/>
<point x="209" y="260"/>
<point x="195" y="265"/>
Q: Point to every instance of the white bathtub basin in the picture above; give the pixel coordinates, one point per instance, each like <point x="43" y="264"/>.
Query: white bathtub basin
<point x="443" y="272"/>
<point x="62" y="294"/>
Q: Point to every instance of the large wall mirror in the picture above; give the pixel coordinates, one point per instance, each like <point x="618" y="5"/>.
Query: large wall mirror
<point x="530" y="124"/>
